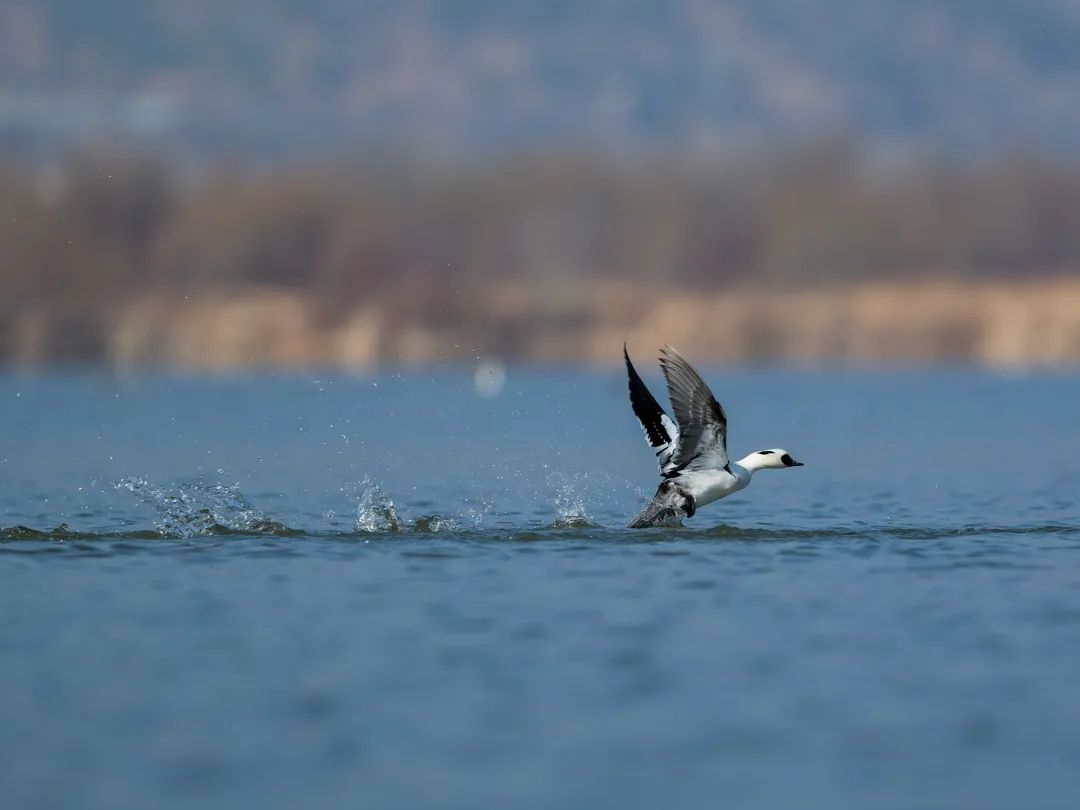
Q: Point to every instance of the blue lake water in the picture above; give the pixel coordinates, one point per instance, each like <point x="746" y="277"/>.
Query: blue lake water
<point x="322" y="591"/>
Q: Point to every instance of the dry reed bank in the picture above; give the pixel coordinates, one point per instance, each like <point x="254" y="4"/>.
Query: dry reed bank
<point x="812" y="255"/>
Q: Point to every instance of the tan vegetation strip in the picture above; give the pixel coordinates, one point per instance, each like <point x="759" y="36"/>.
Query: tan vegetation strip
<point x="1016" y="323"/>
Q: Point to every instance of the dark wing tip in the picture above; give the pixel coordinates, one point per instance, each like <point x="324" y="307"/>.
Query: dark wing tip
<point x="630" y="370"/>
<point x="645" y="406"/>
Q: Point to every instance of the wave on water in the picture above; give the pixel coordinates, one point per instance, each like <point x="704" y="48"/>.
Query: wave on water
<point x="560" y="529"/>
<point x="862" y="532"/>
<point x="201" y="508"/>
<point x="64" y="532"/>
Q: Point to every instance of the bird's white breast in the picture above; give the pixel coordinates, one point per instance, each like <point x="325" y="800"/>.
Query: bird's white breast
<point x="707" y="486"/>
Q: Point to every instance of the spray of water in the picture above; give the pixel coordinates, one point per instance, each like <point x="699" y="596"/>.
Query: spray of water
<point x="570" y="512"/>
<point x="197" y="508"/>
<point x="375" y="512"/>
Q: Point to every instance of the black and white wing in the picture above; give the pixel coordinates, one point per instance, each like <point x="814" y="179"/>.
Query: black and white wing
<point x="702" y="421"/>
<point x="660" y="430"/>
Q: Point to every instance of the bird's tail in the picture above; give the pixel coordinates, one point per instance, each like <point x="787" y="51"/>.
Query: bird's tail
<point x="667" y="507"/>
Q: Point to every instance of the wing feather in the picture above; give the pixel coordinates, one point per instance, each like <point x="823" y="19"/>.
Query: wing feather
<point x="701" y="419"/>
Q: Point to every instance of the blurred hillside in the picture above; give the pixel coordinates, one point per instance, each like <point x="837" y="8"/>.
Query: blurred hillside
<point x="275" y="78"/>
<point x="813" y="254"/>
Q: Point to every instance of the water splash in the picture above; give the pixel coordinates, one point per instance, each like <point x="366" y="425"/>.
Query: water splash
<point x="477" y="512"/>
<point x="433" y="524"/>
<point x="592" y="499"/>
<point x="375" y="512"/>
<point x="198" y="508"/>
<point x="570" y="510"/>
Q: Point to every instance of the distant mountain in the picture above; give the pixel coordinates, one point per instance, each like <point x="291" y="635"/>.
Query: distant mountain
<point x="272" y="78"/>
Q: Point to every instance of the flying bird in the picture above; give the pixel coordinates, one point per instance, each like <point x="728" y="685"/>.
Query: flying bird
<point x="691" y="449"/>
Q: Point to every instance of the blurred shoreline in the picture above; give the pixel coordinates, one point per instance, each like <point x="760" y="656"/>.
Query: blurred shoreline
<point x="811" y="255"/>
<point x="1005" y="324"/>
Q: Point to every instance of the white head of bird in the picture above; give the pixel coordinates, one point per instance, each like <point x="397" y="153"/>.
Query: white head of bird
<point x="776" y="459"/>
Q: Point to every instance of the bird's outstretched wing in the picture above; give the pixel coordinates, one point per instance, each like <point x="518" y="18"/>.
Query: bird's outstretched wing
<point x="660" y="430"/>
<point x="702" y="421"/>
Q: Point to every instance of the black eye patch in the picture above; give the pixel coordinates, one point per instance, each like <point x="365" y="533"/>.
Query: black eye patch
<point x="788" y="460"/>
<point x="764" y="452"/>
